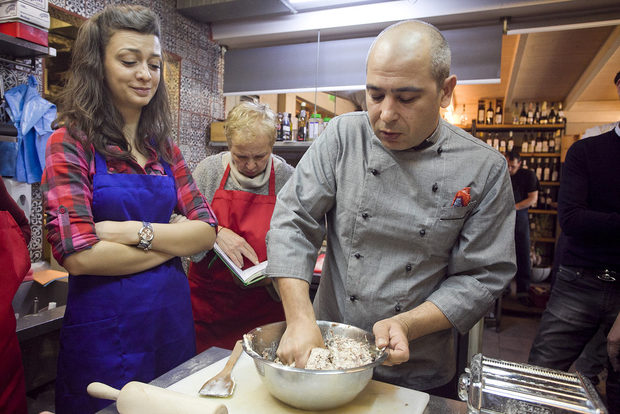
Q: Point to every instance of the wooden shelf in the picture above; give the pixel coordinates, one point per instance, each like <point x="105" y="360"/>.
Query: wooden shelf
<point x="550" y="183"/>
<point x="22" y="49"/>
<point x="540" y="154"/>
<point x="543" y="239"/>
<point x="508" y="127"/>
<point x="540" y="211"/>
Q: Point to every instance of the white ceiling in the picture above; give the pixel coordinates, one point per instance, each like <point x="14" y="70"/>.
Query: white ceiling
<point x="555" y="49"/>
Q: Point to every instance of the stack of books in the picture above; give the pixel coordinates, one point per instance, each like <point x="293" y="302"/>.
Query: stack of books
<point x="25" y="19"/>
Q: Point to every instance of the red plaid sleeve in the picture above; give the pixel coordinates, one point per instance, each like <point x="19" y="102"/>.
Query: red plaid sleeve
<point x="67" y="189"/>
<point x="190" y="201"/>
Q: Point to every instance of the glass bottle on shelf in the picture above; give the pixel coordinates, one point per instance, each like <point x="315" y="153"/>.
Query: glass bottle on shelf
<point x="524" y="165"/>
<point x="558" y="140"/>
<point x="524" y="145"/>
<point x="286" y="126"/>
<point x="530" y="113"/>
<point x="496" y="141"/>
<point x="481" y="112"/>
<point x="544" y="113"/>
<point x="490" y="114"/>
<point x="532" y="145"/>
<point x="539" y="169"/>
<point x="545" y="143"/>
<point x="551" y="143"/>
<point x="499" y="112"/>
<point x="549" y="198"/>
<point x="515" y="113"/>
<point x="502" y="146"/>
<point x="552" y="115"/>
<point x="279" y="121"/>
<point x="511" y="142"/>
<point x="547" y="170"/>
<point x="523" y="115"/>
<point x="560" y="117"/>
<point x="537" y="114"/>
<point x="555" y="171"/>
<point x="464" y="119"/>
<point x="302" y="123"/>
<point x="538" y="145"/>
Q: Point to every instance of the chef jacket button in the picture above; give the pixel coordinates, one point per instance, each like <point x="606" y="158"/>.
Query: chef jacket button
<point x="439" y="150"/>
<point x="357" y="255"/>
<point x="364" y="215"/>
<point x="422" y="232"/>
<point x="435" y="187"/>
<point x="352" y="298"/>
<point x="374" y="171"/>
<point x="408" y="267"/>
<point x="397" y="308"/>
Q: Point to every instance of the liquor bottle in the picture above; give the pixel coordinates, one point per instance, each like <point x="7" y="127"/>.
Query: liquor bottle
<point x="537" y="114"/>
<point x="464" y="119"/>
<point x="560" y="117"/>
<point x="490" y="114"/>
<point x="532" y="222"/>
<point x="286" y="126"/>
<point x="539" y="169"/>
<point x="499" y="112"/>
<point x="538" y="145"/>
<point x="511" y="142"/>
<point x="502" y="146"/>
<point x="524" y="145"/>
<point x="481" y="112"/>
<point x="547" y="170"/>
<point x="523" y="115"/>
<point x="515" y="114"/>
<point x="552" y="115"/>
<point x="530" y="113"/>
<point x="489" y="139"/>
<point x="532" y="145"/>
<point x="524" y="164"/>
<point x="548" y="198"/>
<point x="558" y="140"/>
<point x="302" y="124"/>
<point x="545" y="143"/>
<point x="544" y="113"/>
<point x="279" y="121"/>
<point x="496" y="141"/>
<point x="555" y="173"/>
<point x="551" y="143"/>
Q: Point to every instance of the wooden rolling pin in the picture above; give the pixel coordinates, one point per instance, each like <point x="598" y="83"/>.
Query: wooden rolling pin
<point x="140" y="398"/>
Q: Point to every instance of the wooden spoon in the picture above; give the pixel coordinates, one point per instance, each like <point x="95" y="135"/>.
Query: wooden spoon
<point x="222" y="384"/>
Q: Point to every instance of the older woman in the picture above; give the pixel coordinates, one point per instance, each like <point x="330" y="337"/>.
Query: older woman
<point x="241" y="184"/>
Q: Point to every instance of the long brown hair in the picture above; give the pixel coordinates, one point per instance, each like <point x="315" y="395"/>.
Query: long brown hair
<point x="86" y="106"/>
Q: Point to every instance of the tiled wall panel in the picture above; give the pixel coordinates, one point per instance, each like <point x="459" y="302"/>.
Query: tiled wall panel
<point x="199" y="91"/>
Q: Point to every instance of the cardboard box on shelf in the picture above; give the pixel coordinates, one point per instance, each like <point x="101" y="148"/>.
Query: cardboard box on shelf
<point x="217" y="131"/>
<point x="25" y="31"/>
<point x="39" y="4"/>
<point x="17" y="11"/>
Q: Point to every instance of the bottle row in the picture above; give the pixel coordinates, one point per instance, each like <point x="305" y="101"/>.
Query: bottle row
<point x="546" y="169"/>
<point x="539" y="142"/>
<point x="535" y="113"/>
<point x="542" y="226"/>
<point x="547" y="198"/>
<point x="304" y="127"/>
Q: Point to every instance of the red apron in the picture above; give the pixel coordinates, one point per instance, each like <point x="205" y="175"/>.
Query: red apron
<point x="223" y="311"/>
<point x="14" y="264"/>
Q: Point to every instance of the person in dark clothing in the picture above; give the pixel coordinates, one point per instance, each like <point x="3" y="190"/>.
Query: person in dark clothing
<point x="586" y="293"/>
<point x="525" y="190"/>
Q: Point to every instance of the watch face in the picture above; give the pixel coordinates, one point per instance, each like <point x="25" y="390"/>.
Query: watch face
<point x="146" y="234"/>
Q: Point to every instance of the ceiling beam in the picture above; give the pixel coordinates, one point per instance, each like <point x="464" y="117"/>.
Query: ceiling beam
<point x="598" y="62"/>
<point x="517" y="58"/>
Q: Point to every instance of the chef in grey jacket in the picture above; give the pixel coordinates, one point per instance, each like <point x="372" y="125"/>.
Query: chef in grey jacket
<point x="420" y="218"/>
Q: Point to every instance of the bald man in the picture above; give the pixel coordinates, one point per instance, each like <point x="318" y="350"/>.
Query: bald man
<point x="419" y="217"/>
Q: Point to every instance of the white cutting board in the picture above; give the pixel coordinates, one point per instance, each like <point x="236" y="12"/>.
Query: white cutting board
<point x="251" y="396"/>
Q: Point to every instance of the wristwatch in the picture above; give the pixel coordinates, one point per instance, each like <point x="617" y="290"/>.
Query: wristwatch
<point x="146" y="235"/>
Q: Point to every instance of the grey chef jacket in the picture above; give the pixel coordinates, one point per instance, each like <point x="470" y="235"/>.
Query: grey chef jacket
<point x="394" y="240"/>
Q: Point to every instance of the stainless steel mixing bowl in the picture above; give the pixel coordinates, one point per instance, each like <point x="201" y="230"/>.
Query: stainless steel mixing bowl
<point x="309" y="389"/>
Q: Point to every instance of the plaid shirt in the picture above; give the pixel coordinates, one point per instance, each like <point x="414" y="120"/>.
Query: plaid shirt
<point x="67" y="184"/>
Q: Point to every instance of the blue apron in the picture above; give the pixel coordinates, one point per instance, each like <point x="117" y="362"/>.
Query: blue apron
<point x="136" y="327"/>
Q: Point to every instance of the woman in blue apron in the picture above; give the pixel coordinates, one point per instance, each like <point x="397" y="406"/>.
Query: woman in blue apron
<point x="113" y="180"/>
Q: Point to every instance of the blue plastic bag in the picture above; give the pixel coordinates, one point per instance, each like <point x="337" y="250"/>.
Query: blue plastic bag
<point x="32" y="116"/>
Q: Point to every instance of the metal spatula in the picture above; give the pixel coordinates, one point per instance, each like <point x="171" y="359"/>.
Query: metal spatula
<point x="222" y="384"/>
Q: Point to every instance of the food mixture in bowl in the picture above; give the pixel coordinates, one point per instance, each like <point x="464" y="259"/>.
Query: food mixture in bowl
<point x="341" y="352"/>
